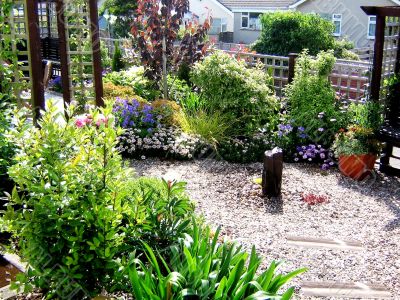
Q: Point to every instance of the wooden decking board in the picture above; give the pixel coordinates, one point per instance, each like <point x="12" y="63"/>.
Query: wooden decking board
<point x="353" y="290"/>
<point x="324" y="243"/>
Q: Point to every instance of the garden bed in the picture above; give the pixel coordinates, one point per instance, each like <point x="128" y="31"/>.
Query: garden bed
<point x="367" y="212"/>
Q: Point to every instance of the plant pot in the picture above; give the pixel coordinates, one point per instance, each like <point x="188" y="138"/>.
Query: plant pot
<point x="357" y="167"/>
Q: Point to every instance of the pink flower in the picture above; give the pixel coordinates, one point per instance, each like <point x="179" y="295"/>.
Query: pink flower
<point x="101" y="119"/>
<point x="83" y="120"/>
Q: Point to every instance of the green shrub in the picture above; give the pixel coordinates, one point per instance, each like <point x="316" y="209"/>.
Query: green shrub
<point x="178" y="89"/>
<point x="67" y="205"/>
<point x="168" y="110"/>
<point x="230" y="88"/>
<point x="134" y="78"/>
<point x="112" y="91"/>
<point x="342" y="49"/>
<point x="292" y="31"/>
<point x="366" y="115"/>
<point x="117" y="63"/>
<point x="312" y="102"/>
<point x="7" y="148"/>
<point x="200" y="267"/>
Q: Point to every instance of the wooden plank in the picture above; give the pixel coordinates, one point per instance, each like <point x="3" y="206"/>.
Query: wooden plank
<point x="323" y="243"/>
<point x="97" y="68"/>
<point x="378" y="58"/>
<point x="348" y="290"/>
<point x="36" y="58"/>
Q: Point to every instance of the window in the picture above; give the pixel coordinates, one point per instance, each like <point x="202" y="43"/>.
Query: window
<point x="224" y="26"/>
<point x="218" y="25"/>
<point x="215" y="26"/>
<point x="337" y="21"/>
<point x="251" y="20"/>
<point x="245" y="20"/>
<point x="371" y="27"/>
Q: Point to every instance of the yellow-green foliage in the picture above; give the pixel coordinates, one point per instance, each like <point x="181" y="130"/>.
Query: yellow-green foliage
<point x="111" y="90"/>
<point x="169" y="110"/>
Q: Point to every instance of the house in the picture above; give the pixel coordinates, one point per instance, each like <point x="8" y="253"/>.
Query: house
<point x="222" y="16"/>
<point x="349" y="19"/>
<point x="246" y="13"/>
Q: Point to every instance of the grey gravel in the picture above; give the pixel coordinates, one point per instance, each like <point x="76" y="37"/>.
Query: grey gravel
<point x="369" y="212"/>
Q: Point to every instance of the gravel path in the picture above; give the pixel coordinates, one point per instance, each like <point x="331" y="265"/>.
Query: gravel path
<point x="367" y="212"/>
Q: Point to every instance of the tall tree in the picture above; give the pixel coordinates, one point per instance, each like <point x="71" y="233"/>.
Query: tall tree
<point x="124" y="13"/>
<point x="156" y="28"/>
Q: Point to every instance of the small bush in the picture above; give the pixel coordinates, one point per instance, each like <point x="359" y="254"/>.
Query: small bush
<point x="117" y="63"/>
<point x="134" y="78"/>
<point x="230" y="88"/>
<point x="112" y="91"/>
<point x="312" y="102"/>
<point x="178" y="89"/>
<point x="169" y="110"/>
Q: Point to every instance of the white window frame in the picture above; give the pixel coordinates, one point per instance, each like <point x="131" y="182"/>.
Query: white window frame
<point x="371" y="22"/>
<point x="224" y="22"/>
<point x="245" y="15"/>
<point x="337" y="18"/>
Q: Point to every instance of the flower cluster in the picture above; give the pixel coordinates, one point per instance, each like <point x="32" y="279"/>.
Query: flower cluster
<point x="316" y="154"/>
<point x="56" y="84"/>
<point x="246" y="149"/>
<point x="165" y="141"/>
<point x="134" y="114"/>
<point x="87" y="119"/>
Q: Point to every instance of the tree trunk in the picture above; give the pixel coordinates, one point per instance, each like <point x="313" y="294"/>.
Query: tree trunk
<point x="165" y="84"/>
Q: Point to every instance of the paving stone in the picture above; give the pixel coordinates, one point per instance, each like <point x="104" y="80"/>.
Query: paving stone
<point x="324" y="243"/>
<point x="348" y="290"/>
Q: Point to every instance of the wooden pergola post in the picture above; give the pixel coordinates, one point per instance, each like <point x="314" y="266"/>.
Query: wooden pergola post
<point x="378" y="57"/>
<point x="36" y="58"/>
<point x="97" y="67"/>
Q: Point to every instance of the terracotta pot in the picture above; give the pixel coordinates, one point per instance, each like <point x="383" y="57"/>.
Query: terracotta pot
<point x="357" y="167"/>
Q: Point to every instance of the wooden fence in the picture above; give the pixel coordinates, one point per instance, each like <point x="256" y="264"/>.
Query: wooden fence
<point x="349" y="78"/>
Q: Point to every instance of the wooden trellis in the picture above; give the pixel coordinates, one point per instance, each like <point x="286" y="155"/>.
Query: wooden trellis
<point x="387" y="64"/>
<point x="65" y="33"/>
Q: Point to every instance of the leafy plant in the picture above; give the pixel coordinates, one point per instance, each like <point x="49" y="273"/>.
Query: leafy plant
<point x="169" y="111"/>
<point x="367" y="115"/>
<point x="286" y="32"/>
<point x="112" y="91"/>
<point x="156" y="28"/>
<point x="356" y="140"/>
<point x="312" y="103"/>
<point x="212" y="127"/>
<point x="117" y="63"/>
<point x="124" y="12"/>
<point x="229" y="87"/>
<point x="7" y="148"/>
<point x="201" y="268"/>
<point x="67" y="205"/>
<point x="134" y="78"/>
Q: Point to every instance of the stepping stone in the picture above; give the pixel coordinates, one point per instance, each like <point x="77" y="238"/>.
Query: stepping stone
<point x="347" y="290"/>
<point x="324" y="243"/>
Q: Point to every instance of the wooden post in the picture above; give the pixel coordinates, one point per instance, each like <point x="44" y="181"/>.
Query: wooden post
<point x="272" y="173"/>
<point x="36" y="59"/>
<point x="292" y="64"/>
<point x="97" y="67"/>
<point x="63" y="51"/>
<point x="378" y="57"/>
<point x="397" y="65"/>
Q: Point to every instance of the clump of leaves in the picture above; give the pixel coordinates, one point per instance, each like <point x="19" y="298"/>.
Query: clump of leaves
<point x="200" y="267"/>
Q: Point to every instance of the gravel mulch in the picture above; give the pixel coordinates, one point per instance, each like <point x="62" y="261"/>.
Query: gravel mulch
<point x="367" y="212"/>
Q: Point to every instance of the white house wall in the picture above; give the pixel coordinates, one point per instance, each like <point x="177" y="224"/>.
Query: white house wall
<point x="354" y="20"/>
<point x="203" y="8"/>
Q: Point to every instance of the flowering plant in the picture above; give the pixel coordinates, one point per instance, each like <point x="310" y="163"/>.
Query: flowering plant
<point x="357" y="140"/>
<point x="316" y="154"/>
<point x="134" y="114"/>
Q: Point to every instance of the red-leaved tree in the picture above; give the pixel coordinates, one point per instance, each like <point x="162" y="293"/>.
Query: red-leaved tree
<point x="156" y="28"/>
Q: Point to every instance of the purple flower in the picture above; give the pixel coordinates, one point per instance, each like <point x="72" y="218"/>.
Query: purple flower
<point x="301" y="129"/>
<point x="321" y="129"/>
